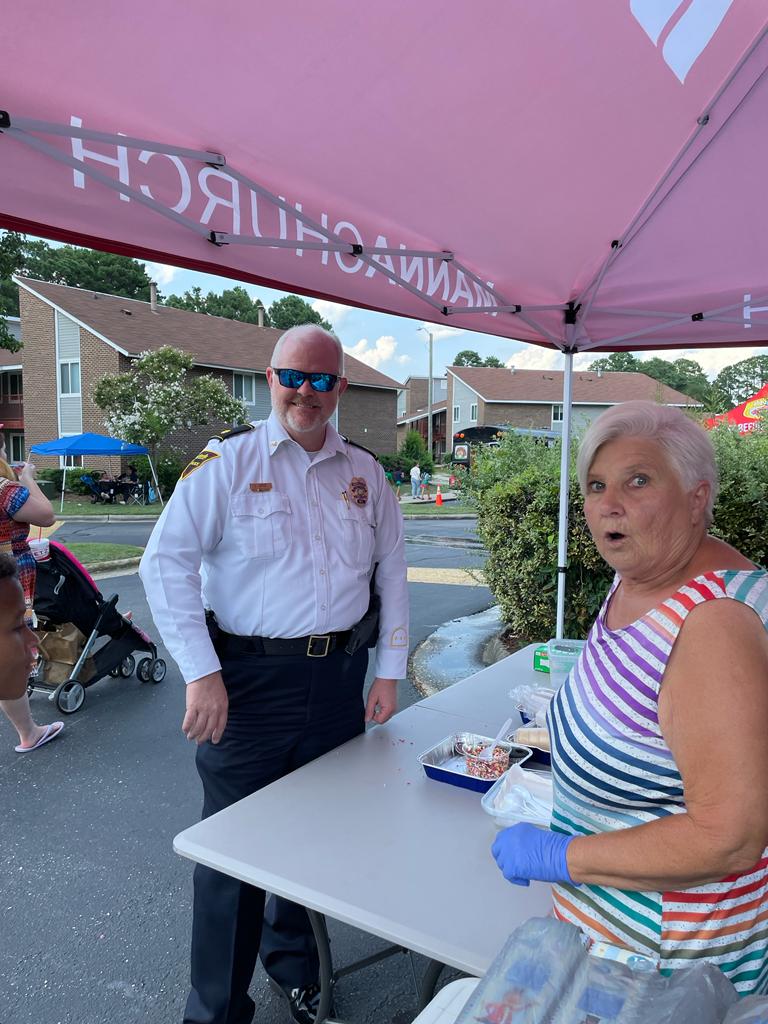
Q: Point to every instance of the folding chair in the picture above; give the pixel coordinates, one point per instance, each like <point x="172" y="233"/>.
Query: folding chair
<point x="135" y="496"/>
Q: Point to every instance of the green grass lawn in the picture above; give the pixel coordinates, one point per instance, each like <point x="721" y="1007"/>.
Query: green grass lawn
<point x="91" y="554"/>
<point x="429" y="508"/>
<point x="77" y="505"/>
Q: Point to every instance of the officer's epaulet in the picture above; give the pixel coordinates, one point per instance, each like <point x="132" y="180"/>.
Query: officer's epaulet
<point x="233" y="432"/>
<point x="356" y="445"/>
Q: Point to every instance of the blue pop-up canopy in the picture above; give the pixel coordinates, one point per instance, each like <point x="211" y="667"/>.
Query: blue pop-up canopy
<point x="92" y="444"/>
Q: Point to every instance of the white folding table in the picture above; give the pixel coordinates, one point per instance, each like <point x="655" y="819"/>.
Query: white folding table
<point x="392" y="852"/>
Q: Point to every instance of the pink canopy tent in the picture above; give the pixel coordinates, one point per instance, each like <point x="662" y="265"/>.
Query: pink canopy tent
<point x="582" y="176"/>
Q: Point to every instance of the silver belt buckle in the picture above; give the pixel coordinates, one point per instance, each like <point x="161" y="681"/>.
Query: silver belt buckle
<point x="310" y="644"/>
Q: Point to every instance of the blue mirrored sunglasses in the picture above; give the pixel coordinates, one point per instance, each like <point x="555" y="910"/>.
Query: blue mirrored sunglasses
<point x="317" y="381"/>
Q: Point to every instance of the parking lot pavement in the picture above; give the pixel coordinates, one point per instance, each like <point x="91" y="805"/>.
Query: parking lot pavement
<point x="96" y="907"/>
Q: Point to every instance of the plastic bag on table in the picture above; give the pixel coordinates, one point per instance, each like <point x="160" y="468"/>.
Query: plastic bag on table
<point x="544" y="975"/>
<point x="749" y="1010"/>
<point x="532" y="702"/>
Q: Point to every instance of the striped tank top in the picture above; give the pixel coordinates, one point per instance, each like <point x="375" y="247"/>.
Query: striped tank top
<point x="612" y="769"/>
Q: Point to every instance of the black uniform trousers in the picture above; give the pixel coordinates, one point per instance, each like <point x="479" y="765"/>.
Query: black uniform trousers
<point x="283" y="713"/>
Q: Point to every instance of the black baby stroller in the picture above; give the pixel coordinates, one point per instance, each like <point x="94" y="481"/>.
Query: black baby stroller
<point x="82" y="637"/>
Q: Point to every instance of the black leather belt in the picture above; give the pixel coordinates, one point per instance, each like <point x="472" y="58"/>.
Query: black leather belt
<point x="319" y="645"/>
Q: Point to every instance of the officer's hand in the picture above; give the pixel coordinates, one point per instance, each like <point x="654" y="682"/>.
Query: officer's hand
<point x="207" y="706"/>
<point x="382" y="701"/>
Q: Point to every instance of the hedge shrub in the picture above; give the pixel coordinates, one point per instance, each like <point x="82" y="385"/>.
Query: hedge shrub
<point x="516" y="491"/>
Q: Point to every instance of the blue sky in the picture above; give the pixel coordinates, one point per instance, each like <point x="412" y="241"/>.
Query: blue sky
<point x="395" y="346"/>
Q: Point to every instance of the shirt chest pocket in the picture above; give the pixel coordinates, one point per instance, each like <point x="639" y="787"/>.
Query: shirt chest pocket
<point x="357" y="537"/>
<point x="261" y="523"/>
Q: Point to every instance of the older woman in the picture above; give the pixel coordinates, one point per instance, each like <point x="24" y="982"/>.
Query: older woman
<point x="659" y="752"/>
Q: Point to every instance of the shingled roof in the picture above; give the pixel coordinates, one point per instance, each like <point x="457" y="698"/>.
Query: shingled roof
<point x="132" y="327"/>
<point x="502" y="384"/>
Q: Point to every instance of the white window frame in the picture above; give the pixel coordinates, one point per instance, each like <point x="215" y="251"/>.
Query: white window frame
<point x="7" y="395"/>
<point x="250" y="377"/>
<point x="473" y="412"/>
<point x="456" y="413"/>
<point x="16" y="438"/>
<point x="69" y="363"/>
<point x="557" y="414"/>
<point x="71" y="461"/>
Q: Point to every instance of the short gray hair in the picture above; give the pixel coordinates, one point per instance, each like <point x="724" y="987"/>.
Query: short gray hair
<point x="307" y="331"/>
<point x="686" y="444"/>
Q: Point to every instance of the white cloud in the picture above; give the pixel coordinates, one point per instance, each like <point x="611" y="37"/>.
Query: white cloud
<point x="534" y="358"/>
<point x="711" y="360"/>
<point x="403" y="359"/>
<point x="161" y="272"/>
<point x="375" y="353"/>
<point x="333" y="312"/>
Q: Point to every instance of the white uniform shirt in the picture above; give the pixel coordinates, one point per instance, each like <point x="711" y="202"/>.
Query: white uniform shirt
<point x="286" y="542"/>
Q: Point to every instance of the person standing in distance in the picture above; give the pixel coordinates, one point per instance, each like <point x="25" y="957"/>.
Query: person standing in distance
<point x="289" y="520"/>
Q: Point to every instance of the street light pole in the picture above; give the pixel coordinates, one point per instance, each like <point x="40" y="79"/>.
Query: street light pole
<point x="429" y="395"/>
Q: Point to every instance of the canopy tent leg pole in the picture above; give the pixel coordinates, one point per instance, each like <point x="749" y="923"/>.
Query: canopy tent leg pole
<point x="63" y="485"/>
<point x="565" y="458"/>
<point x="154" y="477"/>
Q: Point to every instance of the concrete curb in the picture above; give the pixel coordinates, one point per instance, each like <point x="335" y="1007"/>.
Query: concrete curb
<point x="64" y="518"/>
<point x="439" y="515"/>
<point x="115" y="563"/>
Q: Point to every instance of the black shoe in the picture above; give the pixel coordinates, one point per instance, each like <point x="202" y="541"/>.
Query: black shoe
<point x="302" y="1003"/>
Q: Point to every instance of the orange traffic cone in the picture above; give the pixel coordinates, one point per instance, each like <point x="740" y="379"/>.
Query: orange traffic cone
<point x="438" y="496"/>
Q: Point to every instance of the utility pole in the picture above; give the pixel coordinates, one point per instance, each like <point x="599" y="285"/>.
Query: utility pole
<point x="429" y="394"/>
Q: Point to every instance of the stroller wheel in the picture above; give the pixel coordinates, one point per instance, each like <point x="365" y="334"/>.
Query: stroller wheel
<point x="143" y="671"/>
<point x="157" y="671"/>
<point x="127" y="665"/>
<point x="115" y="672"/>
<point x="69" y="697"/>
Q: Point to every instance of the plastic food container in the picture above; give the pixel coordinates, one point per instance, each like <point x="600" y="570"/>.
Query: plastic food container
<point x="447" y="761"/>
<point x="520" y="795"/>
<point x="563" y="655"/>
<point x="480" y="767"/>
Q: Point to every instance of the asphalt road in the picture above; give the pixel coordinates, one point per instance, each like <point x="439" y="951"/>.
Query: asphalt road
<point x="95" y="905"/>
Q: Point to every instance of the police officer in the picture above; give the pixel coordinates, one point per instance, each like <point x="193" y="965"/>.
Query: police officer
<point x="286" y="520"/>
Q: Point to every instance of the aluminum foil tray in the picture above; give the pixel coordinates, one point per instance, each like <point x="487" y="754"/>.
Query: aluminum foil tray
<point x="444" y="764"/>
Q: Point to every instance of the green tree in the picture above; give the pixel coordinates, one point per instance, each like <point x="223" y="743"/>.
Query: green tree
<point x="159" y="395"/>
<point x="683" y="375"/>
<point x="467" y="357"/>
<point x="492" y="361"/>
<point x="233" y="304"/>
<point x="617" y="362"/>
<point x="69" y="265"/>
<point x="11" y="247"/>
<point x="735" y="384"/>
<point x="413" y="451"/>
<point x="291" y="311"/>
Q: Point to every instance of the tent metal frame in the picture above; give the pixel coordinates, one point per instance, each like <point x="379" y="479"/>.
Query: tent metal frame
<point x="730" y="97"/>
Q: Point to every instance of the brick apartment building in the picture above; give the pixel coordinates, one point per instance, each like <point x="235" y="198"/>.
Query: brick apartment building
<point x="73" y="337"/>
<point x="12" y="396"/>
<point x="479" y="396"/>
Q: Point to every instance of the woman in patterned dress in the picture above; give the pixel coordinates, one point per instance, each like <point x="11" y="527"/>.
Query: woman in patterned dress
<point x="23" y="504"/>
<point x="659" y="834"/>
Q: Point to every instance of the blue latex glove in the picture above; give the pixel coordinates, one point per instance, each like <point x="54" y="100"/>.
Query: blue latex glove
<point x="525" y="851"/>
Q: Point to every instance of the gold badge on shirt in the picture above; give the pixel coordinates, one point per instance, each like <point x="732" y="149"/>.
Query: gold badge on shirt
<point x="358" y="490"/>
<point x="199" y="460"/>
